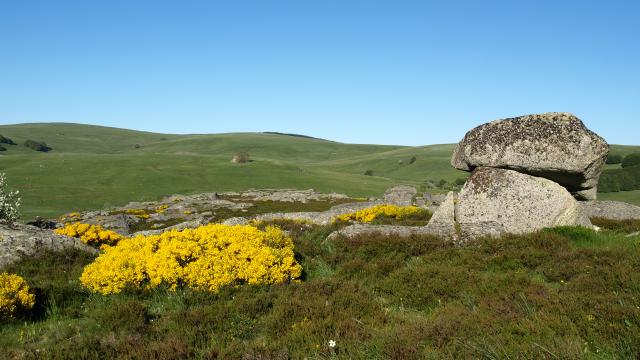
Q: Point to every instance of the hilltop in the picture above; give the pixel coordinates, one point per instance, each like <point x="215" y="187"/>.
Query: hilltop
<point x="92" y="167"/>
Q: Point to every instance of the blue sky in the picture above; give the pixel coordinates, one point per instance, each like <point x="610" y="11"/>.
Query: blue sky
<point x="387" y="72"/>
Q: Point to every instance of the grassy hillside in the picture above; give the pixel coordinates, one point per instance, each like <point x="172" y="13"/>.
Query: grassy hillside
<point x="91" y="167"/>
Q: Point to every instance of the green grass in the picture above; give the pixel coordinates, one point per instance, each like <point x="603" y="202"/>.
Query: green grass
<point x="565" y="293"/>
<point x="92" y="167"/>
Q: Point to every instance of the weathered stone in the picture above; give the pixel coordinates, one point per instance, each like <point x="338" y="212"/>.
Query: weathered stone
<point x="555" y="146"/>
<point x="495" y="201"/>
<point x="615" y="210"/>
<point x="401" y="195"/>
<point x="22" y="241"/>
<point x="443" y="221"/>
<point x="386" y="230"/>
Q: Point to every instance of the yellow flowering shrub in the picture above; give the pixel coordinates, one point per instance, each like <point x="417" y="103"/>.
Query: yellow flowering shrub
<point x="162" y="208"/>
<point x="140" y="213"/>
<point x="90" y="234"/>
<point x="374" y="212"/>
<point x="14" y="295"/>
<point x="208" y="257"/>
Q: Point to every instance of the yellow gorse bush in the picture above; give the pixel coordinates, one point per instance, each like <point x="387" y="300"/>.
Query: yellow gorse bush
<point x="14" y="295"/>
<point x="208" y="257"/>
<point x="370" y="214"/>
<point x="90" y="234"/>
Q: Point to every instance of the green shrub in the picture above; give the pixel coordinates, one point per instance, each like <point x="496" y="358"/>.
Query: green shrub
<point x="2" y="148"/>
<point x="369" y="172"/>
<point x="37" y="145"/>
<point x="631" y="160"/>
<point x="412" y="160"/>
<point x="461" y="181"/>
<point x="614" y="159"/>
<point x="625" y="179"/>
<point x="6" y="140"/>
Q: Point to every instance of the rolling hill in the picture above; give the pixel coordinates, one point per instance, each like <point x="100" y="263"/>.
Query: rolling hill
<point x="92" y="167"/>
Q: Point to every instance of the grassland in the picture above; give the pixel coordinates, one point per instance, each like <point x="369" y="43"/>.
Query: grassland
<point x="564" y="293"/>
<point x="92" y="167"/>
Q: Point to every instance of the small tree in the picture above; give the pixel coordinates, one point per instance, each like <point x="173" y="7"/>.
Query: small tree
<point x="614" y="159"/>
<point x="369" y="172"/>
<point x="9" y="203"/>
<point x="631" y="160"/>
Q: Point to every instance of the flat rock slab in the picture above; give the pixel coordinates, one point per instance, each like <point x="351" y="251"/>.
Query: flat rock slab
<point x="615" y="210"/>
<point x="24" y="241"/>
<point x="497" y="201"/>
<point x="555" y="146"/>
<point x="386" y="230"/>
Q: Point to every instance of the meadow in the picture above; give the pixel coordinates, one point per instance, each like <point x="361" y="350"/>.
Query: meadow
<point x="93" y="167"/>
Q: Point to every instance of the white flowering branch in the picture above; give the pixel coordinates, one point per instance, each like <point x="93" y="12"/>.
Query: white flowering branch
<point x="9" y="203"/>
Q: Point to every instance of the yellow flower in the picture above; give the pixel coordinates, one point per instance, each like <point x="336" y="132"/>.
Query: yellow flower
<point x="208" y="257"/>
<point x="370" y="214"/>
<point x="14" y="295"/>
<point x="90" y="234"/>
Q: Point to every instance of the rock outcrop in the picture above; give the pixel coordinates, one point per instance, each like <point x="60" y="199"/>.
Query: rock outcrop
<point x="615" y="210"/>
<point x="555" y="146"/>
<point x="496" y="201"/>
<point x="401" y="195"/>
<point x="21" y="241"/>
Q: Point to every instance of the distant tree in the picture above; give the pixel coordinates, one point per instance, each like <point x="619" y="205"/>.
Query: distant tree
<point x="614" y="159"/>
<point x="460" y="181"/>
<point x="37" y="145"/>
<point x="2" y="148"/>
<point x="412" y="160"/>
<point x="369" y="172"/>
<point x="631" y="160"/>
<point x="137" y="146"/>
<point x="442" y="183"/>
<point x="240" y="158"/>
<point x="6" y="140"/>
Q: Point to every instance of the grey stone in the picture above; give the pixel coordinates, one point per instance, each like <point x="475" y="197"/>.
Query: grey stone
<point x="443" y="221"/>
<point x="401" y="195"/>
<point x="615" y="210"/>
<point x="496" y="201"/>
<point x="22" y="241"/>
<point x="387" y="230"/>
<point x="555" y="146"/>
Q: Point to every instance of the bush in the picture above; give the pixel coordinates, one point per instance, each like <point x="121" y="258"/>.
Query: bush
<point x="6" y="140"/>
<point x="37" y="145"/>
<point x="442" y="183"/>
<point x="2" y="148"/>
<point x="614" y="159"/>
<point x="9" y="203"/>
<point x="390" y="211"/>
<point x="208" y="258"/>
<point x="412" y="160"/>
<point x="461" y="181"/>
<point x="631" y="160"/>
<point x="90" y="234"/>
<point x="14" y="295"/>
<point x="625" y="179"/>
<point x="369" y="172"/>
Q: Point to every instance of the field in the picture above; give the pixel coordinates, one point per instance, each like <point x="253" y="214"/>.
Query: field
<point x="92" y="167"/>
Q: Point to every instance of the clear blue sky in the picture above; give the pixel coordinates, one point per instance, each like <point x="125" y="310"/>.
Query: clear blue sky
<point x="388" y="72"/>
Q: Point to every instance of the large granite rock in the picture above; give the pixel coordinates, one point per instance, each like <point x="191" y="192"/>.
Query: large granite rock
<point x="615" y="210"/>
<point x="21" y="241"/>
<point x="496" y="201"/>
<point x="555" y="146"/>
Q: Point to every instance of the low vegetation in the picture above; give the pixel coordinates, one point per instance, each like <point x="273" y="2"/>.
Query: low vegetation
<point x="37" y="145"/>
<point x="9" y="202"/>
<point x="389" y="215"/>
<point x="559" y="293"/>
<point x="90" y="234"/>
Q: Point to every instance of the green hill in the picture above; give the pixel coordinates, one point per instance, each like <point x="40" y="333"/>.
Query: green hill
<point x="91" y="167"/>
